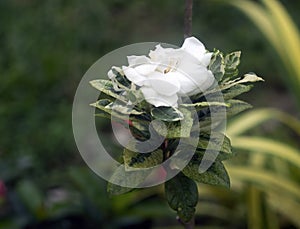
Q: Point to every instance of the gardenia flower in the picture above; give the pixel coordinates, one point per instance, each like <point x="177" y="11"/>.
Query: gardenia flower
<point x="169" y="73"/>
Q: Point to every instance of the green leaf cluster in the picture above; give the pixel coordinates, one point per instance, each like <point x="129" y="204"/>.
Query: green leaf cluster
<point x="206" y="110"/>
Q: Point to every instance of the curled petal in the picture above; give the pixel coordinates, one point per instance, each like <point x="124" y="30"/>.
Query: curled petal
<point x="186" y="84"/>
<point x="206" y="59"/>
<point x="203" y="82"/>
<point x="158" y="100"/>
<point x="160" y="53"/>
<point x="194" y="47"/>
<point x="194" y="82"/>
<point x="137" y="60"/>
<point x="157" y="53"/>
<point x="165" y="85"/>
<point x="110" y="74"/>
<point x="146" y="69"/>
<point x="133" y="75"/>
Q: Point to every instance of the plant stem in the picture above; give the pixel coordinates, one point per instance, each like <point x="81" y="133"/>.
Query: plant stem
<point x="188" y="13"/>
<point x="189" y="225"/>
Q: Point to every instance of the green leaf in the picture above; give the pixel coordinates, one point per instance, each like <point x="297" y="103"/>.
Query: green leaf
<point x="131" y="96"/>
<point x="184" y="129"/>
<point x="102" y="114"/>
<point x="236" y="90"/>
<point x="236" y="106"/>
<point x="221" y="156"/>
<point x="139" y="134"/>
<point x="126" y="180"/>
<point x="102" y="105"/>
<point x="216" y="141"/>
<point x="107" y="87"/>
<point x="120" y="77"/>
<point x="106" y="108"/>
<point x="217" y="65"/>
<point x="215" y="175"/>
<point x="123" y="109"/>
<point x="201" y="105"/>
<point x="135" y="161"/>
<point x="169" y="114"/>
<point x="228" y="89"/>
<point x="232" y="60"/>
<point x="138" y="124"/>
<point x="225" y="94"/>
<point x="247" y="78"/>
<point x="177" y="129"/>
<point x="212" y="119"/>
<point x="182" y="196"/>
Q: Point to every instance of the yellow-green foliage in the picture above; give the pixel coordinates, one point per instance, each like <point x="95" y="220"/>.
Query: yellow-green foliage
<point x="273" y="20"/>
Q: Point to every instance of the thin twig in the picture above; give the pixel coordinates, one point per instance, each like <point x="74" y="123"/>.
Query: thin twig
<point x="188" y="14"/>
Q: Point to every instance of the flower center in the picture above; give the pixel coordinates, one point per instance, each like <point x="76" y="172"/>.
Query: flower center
<point x="169" y="68"/>
<point x="171" y="65"/>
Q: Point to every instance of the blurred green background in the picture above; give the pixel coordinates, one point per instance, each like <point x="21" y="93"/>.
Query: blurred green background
<point x="45" y="49"/>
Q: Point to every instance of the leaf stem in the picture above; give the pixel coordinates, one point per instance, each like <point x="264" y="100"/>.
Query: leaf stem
<point x="188" y="13"/>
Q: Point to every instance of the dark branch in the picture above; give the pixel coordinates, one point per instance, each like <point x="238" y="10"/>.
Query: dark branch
<point x="188" y="13"/>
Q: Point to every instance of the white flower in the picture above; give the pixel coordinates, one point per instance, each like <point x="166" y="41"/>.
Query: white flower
<point x="169" y="73"/>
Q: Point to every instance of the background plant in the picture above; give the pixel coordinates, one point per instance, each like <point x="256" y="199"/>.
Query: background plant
<point x="272" y="19"/>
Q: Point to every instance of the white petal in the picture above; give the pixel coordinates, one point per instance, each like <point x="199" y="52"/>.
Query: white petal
<point x="133" y="75"/>
<point x="158" y="100"/>
<point x="110" y="74"/>
<point x="209" y="81"/>
<point x="194" y="47"/>
<point x="146" y="69"/>
<point x="203" y="82"/>
<point x="206" y="59"/>
<point x="165" y="85"/>
<point x="160" y="53"/>
<point x="194" y="82"/>
<point x="137" y="60"/>
<point x="186" y="84"/>
<point x="157" y="53"/>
